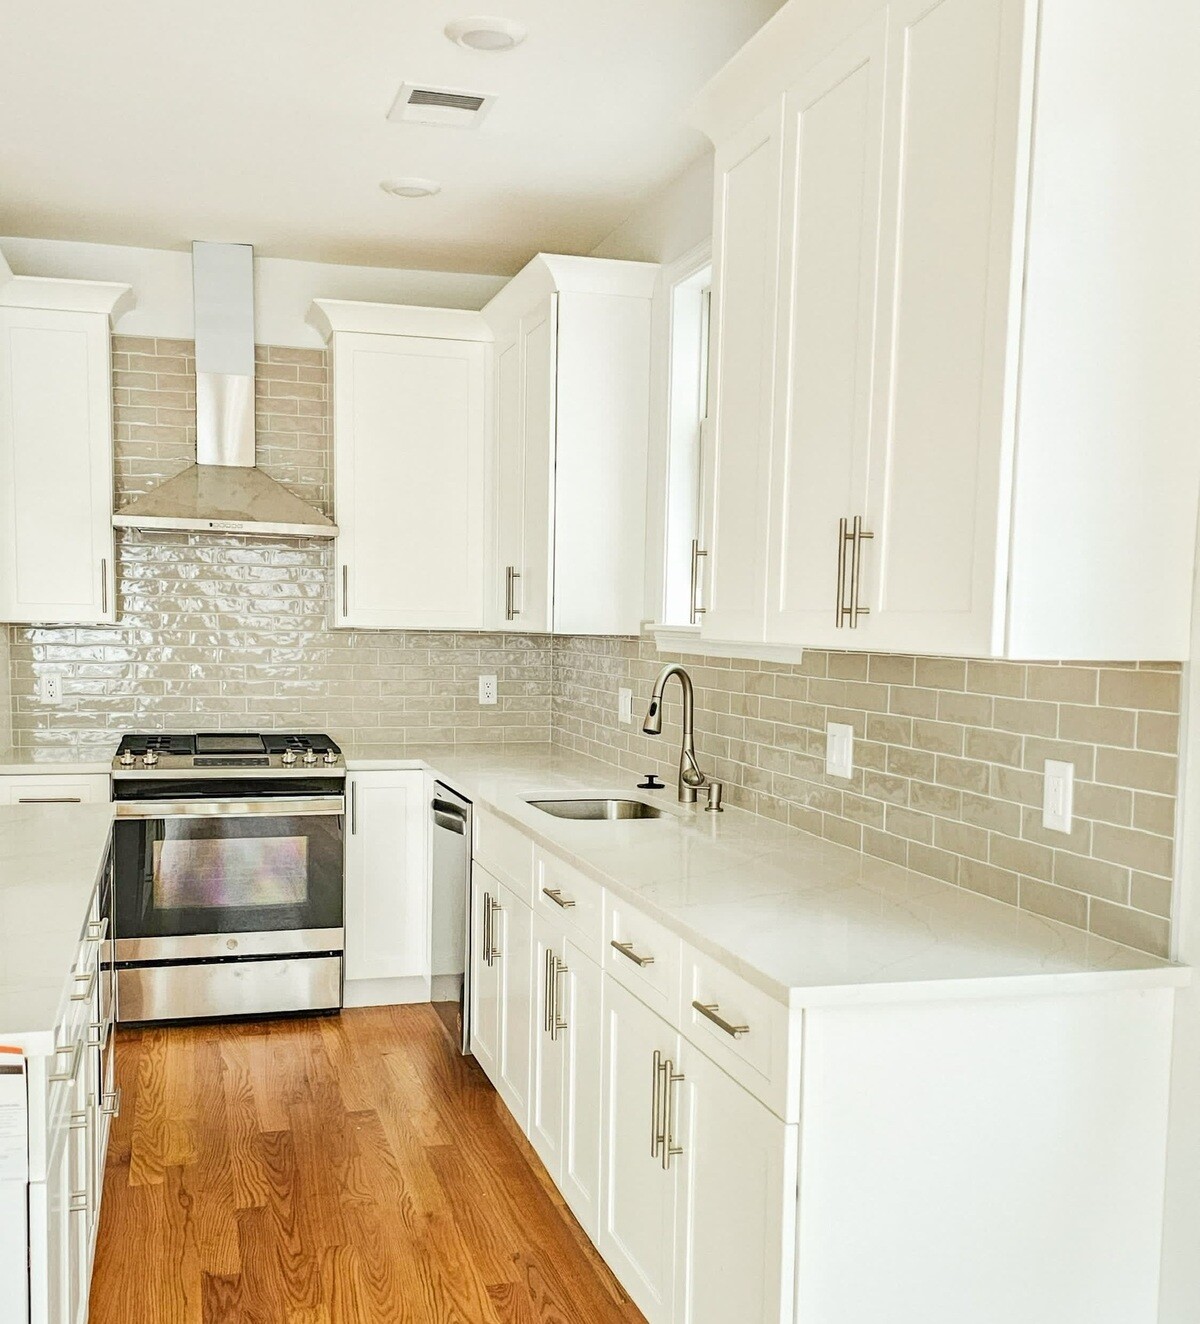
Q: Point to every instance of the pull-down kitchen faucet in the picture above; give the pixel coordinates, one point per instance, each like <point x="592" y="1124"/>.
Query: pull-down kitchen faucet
<point x="690" y="776"/>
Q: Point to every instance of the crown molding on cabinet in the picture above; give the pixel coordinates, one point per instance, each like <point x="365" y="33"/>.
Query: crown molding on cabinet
<point x="553" y="273"/>
<point x="65" y="296"/>
<point x="327" y="316"/>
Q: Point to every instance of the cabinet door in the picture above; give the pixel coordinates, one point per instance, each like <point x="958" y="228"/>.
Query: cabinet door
<point x="510" y="489"/>
<point x="538" y="337"/>
<point x="514" y="931"/>
<point x="581" y="1011"/>
<point x="833" y="127"/>
<point x="485" y="974"/>
<point x="56" y="467"/>
<point x="935" y="572"/>
<point x="50" y="1246"/>
<point x="410" y="473"/>
<point x="637" y="1216"/>
<point x="57" y="788"/>
<point x="387" y="876"/>
<point x="745" y="276"/>
<point x="546" y="1055"/>
<point x="738" y="1224"/>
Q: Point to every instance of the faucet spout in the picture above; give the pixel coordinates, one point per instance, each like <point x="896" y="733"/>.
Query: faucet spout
<point x="690" y="776"/>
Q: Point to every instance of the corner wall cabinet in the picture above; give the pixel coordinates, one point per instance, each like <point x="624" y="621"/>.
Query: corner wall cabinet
<point x="572" y="419"/>
<point x="57" y="560"/>
<point x="952" y="405"/>
<point x="411" y="421"/>
<point x="734" y="1157"/>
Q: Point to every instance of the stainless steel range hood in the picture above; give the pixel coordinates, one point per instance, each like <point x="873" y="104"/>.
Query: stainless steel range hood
<point x="223" y="491"/>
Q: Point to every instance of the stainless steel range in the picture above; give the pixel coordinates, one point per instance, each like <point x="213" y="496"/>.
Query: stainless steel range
<point x="229" y="875"/>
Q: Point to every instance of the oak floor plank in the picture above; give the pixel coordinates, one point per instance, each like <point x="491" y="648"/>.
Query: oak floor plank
<point x="348" y="1170"/>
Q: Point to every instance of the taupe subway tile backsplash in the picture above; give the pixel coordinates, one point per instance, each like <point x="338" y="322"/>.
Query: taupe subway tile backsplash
<point x="223" y="631"/>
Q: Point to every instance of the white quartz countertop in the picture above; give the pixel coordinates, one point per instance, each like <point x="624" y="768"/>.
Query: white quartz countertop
<point x="17" y="762"/>
<point x="51" y="857"/>
<point x="808" y="921"/>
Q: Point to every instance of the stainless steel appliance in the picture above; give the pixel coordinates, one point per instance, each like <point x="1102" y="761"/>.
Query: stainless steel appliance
<point x="228" y="863"/>
<point x="451" y="910"/>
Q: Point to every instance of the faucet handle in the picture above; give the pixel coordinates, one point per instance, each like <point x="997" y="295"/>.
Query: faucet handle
<point x="715" y="791"/>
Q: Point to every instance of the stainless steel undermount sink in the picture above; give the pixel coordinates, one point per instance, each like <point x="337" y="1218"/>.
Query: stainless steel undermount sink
<point x="610" y="809"/>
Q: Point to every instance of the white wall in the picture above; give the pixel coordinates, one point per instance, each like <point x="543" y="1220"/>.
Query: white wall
<point x="666" y="227"/>
<point x="283" y="290"/>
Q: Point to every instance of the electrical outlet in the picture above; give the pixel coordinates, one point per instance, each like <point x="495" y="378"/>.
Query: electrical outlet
<point x="1058" y="796"/>
<point x="624" y="705"/>
<point x="487" y="689"/>
<point x="49" y="689"/>
<point x="839" y="749"/>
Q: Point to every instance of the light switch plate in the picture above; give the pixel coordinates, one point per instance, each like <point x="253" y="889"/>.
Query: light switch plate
<point x="487" y="689"/>
<point x="839" y="749"/>
<point x="1058" y="796"/>
<point x="624" y="705"/>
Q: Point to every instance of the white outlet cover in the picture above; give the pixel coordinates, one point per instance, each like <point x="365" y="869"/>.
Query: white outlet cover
<point x="487" y="689"/>
<point x="839" y="749"/>
<point x="50" y="690"/>
<point x="1058" y="796"/>
<point x="624" y="705"/>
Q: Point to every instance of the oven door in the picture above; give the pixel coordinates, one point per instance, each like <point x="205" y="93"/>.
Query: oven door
<point x="226" y="878"/>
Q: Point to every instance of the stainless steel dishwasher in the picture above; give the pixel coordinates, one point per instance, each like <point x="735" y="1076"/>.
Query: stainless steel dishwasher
<point x="451" y="910"/>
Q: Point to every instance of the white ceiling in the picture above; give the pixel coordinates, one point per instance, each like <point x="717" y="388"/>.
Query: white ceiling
<point x="263" y="121"/>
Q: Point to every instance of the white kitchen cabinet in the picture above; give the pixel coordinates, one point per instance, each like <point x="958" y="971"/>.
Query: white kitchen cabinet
<point x="564" y="1093"/>
<point x="411" y="418"/>
<point x="57" y="560"/>
<point x="952" y="352"/>
<point x="641" y="1185"/>
<point x="387" y="894"/>
<point x="572" y="415"/>
<point x="486" y="971"/>
<point x="513" y="937"/>
<point x="54" y="788"/>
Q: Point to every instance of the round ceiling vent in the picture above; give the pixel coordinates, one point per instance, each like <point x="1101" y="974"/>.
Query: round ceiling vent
<point x="411" y="187"/>
<point x="486" y="34"/>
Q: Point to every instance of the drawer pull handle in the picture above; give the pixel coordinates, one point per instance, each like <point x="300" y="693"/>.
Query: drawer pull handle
<point x="49" y="800"/>
<point x="97" y="929"/>
<point x="67" y="1077"/>
<point x="626" y="950"/>
<point x="555" y="895"/>
<point x="79" y="1203"/>
<point x="89" y="983"/>
<point x="78" y="1121"/>
<point x="710" y="1011"/>
<point x="112" y="1104"/>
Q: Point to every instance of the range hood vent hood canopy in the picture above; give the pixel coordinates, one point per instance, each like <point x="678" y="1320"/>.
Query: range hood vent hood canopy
<point x="223" y="491"/>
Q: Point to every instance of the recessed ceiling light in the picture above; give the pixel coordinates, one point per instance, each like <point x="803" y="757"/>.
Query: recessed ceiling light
<point x="483" y="33"/>
<point x="411" y="187"/>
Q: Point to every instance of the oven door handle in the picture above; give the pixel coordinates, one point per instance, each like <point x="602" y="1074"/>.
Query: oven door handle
<point x="301" y="807"/>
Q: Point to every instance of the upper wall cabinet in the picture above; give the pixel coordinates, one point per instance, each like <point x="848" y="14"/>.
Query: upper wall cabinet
<point x="411" y="464"/>
<point x="976" y="332"/>
<point x="572" y="417"/>
<point x="56" y="449"/>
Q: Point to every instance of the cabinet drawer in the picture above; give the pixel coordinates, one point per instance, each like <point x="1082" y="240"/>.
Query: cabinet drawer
<point x="743" y="1030"/>
<point x="569" y="900"/>
<point x="506" y="852"/>
<point x="55" y="788"/>
<point x="642" y="955"/>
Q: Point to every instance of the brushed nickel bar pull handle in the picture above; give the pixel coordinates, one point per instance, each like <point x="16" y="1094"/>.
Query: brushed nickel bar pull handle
<point x="104" y="585"/>
<point x="840" y="611"/>
<point x="111" y="1106"/>
<point x="487" y="929"/>
<point x="89" y="982"/>
<point x="555" y="895"/>
<point x="860" y="536"/>
<point x="511" y="575"/>
<point x="67" y="1077"/>
<point x="696" y="608"/>
<point x="78" y="1203"/>
<point x="626" y="950"/>
<point x="516" y="611"/>
<point x="670" y="1149"/>
<point x="49" y="800"/>
<point x="559" y="1023"/>
<point x="497" y="909"/>
<point x="711" y="1010"/>
<point x="97" y="929"/>
<point x="655" y="1112"/>
<point x="78" y="1121"/>
<point x="548" y="1009"/>
<point x="345" y="590"/>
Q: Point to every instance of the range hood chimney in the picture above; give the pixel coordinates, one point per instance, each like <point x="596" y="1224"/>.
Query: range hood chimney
<point x="223" y="492"/>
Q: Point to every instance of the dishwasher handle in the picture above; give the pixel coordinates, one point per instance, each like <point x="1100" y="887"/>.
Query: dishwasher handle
<point x="449" y="816"/>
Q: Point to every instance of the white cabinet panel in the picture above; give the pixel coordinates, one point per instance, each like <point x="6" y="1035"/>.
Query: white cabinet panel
<point x="410" y="476"/>
<point x="833" y="122"/>
<point x="56" y="467"/>
<point x="510" y="487"/>
<point x="939" y="493"/>
<point x="746" y="235"/>
<point x="55" y="788"/>
<point x="547" y="1068"/>
<point x="485" y="975"/>
<point x="640" y="1191"/>
<point x="513" y="937"/>
<point x="387" y="876"/>
<point x="581" y="996"/>
<point x="739" y="1226"/>
<point x="538" y="336"/>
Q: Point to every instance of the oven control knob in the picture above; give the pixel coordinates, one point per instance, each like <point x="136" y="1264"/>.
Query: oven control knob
<point x="331" y="756"/>
<point x="310" y="756"/>
<point x="127" y="759"/>
<point x="289" y="756"/>
<point x="150" y="758"/>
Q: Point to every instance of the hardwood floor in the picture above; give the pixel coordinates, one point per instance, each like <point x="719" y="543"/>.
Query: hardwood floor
<point x="349" y="1170"/>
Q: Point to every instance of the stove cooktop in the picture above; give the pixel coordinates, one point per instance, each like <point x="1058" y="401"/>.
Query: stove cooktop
<point x="165" y="752"/>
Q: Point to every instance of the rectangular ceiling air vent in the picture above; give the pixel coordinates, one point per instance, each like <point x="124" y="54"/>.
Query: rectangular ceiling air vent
<point x="443" y="106"/>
